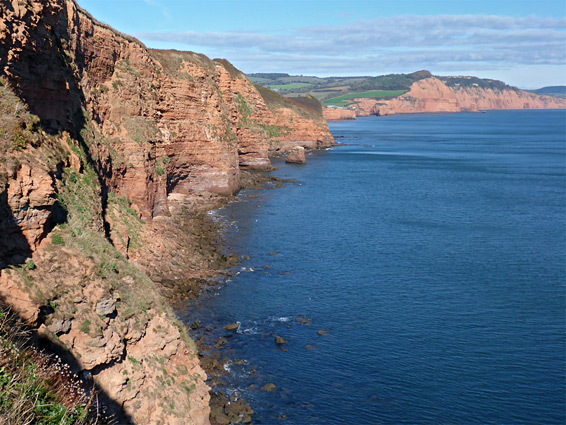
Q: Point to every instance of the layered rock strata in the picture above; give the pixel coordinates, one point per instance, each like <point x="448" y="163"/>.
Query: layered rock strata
<point x="104" y="146"/>
<point x="338" y="114"/>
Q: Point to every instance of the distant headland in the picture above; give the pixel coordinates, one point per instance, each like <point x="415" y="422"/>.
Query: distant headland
<point x="418" y="92"/>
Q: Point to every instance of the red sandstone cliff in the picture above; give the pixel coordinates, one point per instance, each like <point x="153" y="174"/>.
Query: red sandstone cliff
<point x="433" y="95"/>
<point x="203" y="115"/>
<point x="338" y="114"/>
<point x="102" y="140"/>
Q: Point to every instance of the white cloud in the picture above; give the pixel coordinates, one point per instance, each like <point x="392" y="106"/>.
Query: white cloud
<point x="400" y="44"/>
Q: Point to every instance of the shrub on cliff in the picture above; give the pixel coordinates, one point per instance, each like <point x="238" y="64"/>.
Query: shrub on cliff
<point x="17" y="125"/>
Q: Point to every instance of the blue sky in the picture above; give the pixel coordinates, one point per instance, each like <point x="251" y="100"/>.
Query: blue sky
<point x="520" y="42"/>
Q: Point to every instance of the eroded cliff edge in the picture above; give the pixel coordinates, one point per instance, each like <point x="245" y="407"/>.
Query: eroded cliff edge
<point x="106" y="147"/>
<point x="449" y="94"/>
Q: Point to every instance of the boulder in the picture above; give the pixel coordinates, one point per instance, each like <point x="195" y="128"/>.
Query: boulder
<point x="269" y="387"/>
<point x="232" y="326"/>
<point x="59" y="326"/>
<point x="106" y="307"/>
<point x="296" y="156"/>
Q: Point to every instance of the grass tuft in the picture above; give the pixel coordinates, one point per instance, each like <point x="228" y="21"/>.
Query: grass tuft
<point x="36" y="388"/>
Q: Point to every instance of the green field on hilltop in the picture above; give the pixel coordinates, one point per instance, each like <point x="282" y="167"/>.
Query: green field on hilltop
<point x="290" y="86"/>
<point x="340" y="91"/>
<point x="374" y="94"/>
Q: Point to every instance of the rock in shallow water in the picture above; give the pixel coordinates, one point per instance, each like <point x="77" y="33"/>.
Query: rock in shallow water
<point x="232" y="326"/>
<point x="269" y="387"/>
<point x="303" y="320"/>
<point x="221" y="342"/>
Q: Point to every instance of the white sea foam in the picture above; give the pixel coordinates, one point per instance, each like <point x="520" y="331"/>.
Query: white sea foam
<point x="252" y="329"/>
<point x="280" y="319"/>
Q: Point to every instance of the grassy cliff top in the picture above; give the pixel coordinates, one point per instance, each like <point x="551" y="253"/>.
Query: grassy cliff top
<point x="470" y="82"/>
<point x="307" y="106"/>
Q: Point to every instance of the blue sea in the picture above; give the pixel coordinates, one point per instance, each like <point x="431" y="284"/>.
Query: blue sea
<point x="430" y="250"/>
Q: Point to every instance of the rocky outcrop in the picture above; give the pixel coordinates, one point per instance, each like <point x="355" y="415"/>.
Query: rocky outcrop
<point x="156" y="122"/>
<point x="338" y="114"/>
<point x="296" y="155"/>
<point x="105" y="148"/>
<point x="433" y="95"/>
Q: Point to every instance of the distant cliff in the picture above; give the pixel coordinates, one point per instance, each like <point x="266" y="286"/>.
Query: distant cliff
<point x="451" y="94"/>
<point x="104" y="147"/>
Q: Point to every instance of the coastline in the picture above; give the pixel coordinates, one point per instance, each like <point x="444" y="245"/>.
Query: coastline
<point x="111" y="162"/>
<point x="347" y="116"/>
<point x="210" y="338"/>
<point x="377" y="398"/>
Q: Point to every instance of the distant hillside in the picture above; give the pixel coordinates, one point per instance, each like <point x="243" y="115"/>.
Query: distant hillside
<point x="342" y="91"/>
<point x="300" y="85"/>
<point x="391" y="81"/>
<point x="556" y="91"/>
<point x="437" y="94"/>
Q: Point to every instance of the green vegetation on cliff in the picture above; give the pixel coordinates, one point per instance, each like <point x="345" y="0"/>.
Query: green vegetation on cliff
<point x="36" y="388"/>
<point x="475" y="82"/>
<point x="17" y="125"/>
<point x="307" y="106"/>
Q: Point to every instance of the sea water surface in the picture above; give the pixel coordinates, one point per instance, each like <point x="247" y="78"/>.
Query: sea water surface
<point x="431" y="249"/>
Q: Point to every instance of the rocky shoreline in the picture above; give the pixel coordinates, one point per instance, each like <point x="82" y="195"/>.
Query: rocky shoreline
<point x="112" y="156"/>
<point x="216" y="340"/>
<point x="226" y="404"/>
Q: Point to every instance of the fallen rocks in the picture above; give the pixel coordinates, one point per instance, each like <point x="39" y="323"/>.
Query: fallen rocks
<point x="280" y="341"/>
<point x="226" y="411"/>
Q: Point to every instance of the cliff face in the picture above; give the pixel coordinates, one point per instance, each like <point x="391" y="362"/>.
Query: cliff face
<point x="433" y="95"/>
<point x="203" y="117"/>
<point x="338" y="114"/>
<point x="104" y="144"/>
